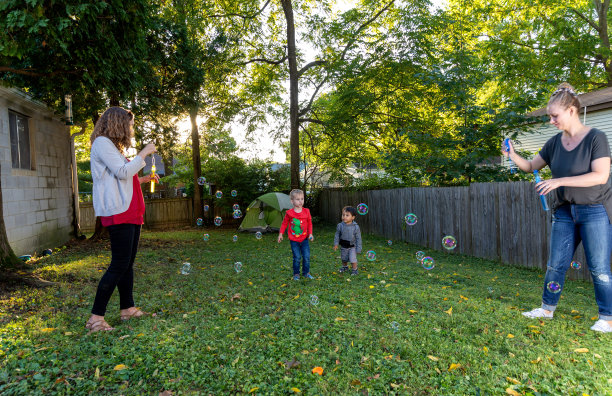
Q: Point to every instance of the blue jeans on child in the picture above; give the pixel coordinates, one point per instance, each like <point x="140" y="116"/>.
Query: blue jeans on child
<point x="301" y="252"/>
<point x="571" y="225"/>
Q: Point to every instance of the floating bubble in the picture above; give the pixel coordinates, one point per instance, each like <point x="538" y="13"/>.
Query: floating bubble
<point x="218" y="221"/>
<point x="238" y="266"/>
<point x="201" y="180"/>
<point x="234" y="193"/>
<point x="553" y="287"/>
<point x="411" y="219"/>
<point x="235" y="238"/>
<point x="395" y="326"/>
<point x="314" y="300"/>
<point x="206" y="237"/>
<point x="362" y="209"/>
<point x="199" y="221"/>
<point x="206" y="207"/>
<point x="576" y="265"/>
<point x="449" y="242"/>
<point x="389" y="242"/>
<point x="237" y="214"/>
<point x="371" y="255"/>
<point x="419" y="255"/>
<point x="427" y="263"/>
<point x="490" y="289"/>
<point x="186" y="269"/>
<point x="219" y="194"/>
<point x="258" y="235"/>
<point x="236" y="207"/>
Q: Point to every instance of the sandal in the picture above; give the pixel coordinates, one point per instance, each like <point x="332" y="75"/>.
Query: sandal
<point x="135" y="313"/>
<point x="98" y="325"/>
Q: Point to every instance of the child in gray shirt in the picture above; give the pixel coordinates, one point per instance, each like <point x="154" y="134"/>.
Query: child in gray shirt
<point x="348" y="236"/>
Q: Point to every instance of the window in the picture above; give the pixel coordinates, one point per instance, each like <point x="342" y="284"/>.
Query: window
<point x="20" y="141"/>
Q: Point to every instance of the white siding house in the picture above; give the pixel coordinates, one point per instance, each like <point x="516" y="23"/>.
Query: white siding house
<point x="598" y="115"/>
<point x="35" y="158"/>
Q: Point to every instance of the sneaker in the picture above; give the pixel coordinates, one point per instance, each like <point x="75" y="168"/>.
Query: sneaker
<point x="602" y="326"/>
<point x="344" y="268"/>
<point x="538" y="313"/>
<point x="354" y="272"/>
<point x="308" y="276"/>
<point x="296" y="277"/>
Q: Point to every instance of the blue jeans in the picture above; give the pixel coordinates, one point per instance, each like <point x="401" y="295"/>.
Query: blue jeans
<point x="301" y="251"/>
<point x="571" y="225"/>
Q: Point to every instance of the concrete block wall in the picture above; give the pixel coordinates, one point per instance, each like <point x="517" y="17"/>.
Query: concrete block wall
<point x="37" y="203"/>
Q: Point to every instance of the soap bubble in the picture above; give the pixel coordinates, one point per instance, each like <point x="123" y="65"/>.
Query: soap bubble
<point x="362" y="209"/>
<point x="234" y="193"/>
<point x="427" y="263"/>
<point x="201" y="180"/>
<point x="553" y="287"/>
<point x="411" y="219"/>
<point x="236" y="207"/>
<point x="449" y="242"/>
<point x="219" y="194"/>
<point x="47" y="252"/>
<point x="206" y="207"/>
<point x="206" y="237"/>
<point x="576" y="265"/>
<point x="218" y="221"/>
<point x="371" y="255"/>
<point x="199" y="221"/>
<point x="237" y="214"/>
<point x="258" y="235"/>
<point x="419" y="255"/>
<point x="490" y="289"/>
<point x="238" y="266"/>
<point x="395" y="326"/>
<point x="314" y="300"/>
<point x="185" y="268"/>
<point x="389" y="242"/>
<point x="235" y="238"/>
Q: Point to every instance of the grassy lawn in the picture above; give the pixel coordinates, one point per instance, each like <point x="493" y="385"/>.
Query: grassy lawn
<point x="458" y="326"/>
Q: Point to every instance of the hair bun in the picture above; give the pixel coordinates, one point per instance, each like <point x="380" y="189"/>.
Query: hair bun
<point x="566" y="85"/>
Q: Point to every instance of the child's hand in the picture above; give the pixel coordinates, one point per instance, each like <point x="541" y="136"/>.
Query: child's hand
<point x="311" y="237"/>
<point x="335" y="247"/>
<point x="280" y="238"/>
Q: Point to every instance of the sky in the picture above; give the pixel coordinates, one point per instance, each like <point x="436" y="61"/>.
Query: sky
<point x="261" y="145"/>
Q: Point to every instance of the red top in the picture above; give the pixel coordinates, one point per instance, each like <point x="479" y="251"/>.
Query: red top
<point x="134" y="213"/>
<point x="298" y="225"/>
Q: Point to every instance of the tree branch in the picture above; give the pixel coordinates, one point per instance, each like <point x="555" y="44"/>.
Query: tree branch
<point x="309" y="65"/>
<point x="31" y="73"/>
<point x="313" y="120"/>
<point x="312" y="97"/>
<point x="271" y="62"/>
<point x="241" y="15"/>
<point x="585" y="18"/>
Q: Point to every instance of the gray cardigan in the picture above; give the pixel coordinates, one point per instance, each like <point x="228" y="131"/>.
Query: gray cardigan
<point x="112" y="176"/>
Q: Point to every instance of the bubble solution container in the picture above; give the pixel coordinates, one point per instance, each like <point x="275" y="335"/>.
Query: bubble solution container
<point x="542" y="197"/>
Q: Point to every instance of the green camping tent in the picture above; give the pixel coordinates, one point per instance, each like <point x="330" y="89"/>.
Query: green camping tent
<point x="266" y="213"/>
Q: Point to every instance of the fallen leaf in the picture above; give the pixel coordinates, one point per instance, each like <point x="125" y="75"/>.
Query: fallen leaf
<point x="464" y="298"/>
<point x="339" y="318"/>
<point x="513" y="380"/>
<point x="512" y="392"/>
<point x="485" y="349"/>
<point x="47" y="329"/>
<point x="295" y="390"/>
<point x="293" y="363"/>
<point x="68" y="333"/>
<point x="449" y="311"/>
<point x="538" y="360"/>
<point x="165" y="393"/>
<point x="435" y="359"/>
<point x="510" y="335"/>
<point x="254" y="389"/>
<point x="581" y="350"/>
<point x="371" y="286"/>
<point x="97" y="373"/>
<point x="412" y="311"/>
<point x="236" y="296"/>
<point x="317" y="370"/>
<point x="355" y="382"/>
<point x="598" y="356"/>
<point x="120" y="367"/>
<point x="454" y="366"/>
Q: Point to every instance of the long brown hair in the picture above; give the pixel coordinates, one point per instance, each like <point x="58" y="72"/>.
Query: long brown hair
<point x="115" y="125"/>
<point x="565" y="96"/>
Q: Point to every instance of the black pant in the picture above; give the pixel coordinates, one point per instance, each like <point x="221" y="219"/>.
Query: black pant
<point x="120" y="273"/>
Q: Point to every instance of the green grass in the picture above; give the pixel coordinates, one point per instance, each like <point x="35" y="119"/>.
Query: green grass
<point x="222" y="332"/>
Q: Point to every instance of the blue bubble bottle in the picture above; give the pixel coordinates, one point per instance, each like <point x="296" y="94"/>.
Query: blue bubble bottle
<point x="513" y="166"/>
<point x="542" y="197"/>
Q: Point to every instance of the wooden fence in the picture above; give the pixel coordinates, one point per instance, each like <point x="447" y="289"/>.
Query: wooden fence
<point x="161" y="214"/>
<point x="496" y="221"/>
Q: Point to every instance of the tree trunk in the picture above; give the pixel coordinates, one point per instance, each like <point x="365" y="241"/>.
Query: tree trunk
<point x="7" y="256"/>
<point x="197" y="164"/>
<point x="100" y="232"/>
<point x="294" y="137"/>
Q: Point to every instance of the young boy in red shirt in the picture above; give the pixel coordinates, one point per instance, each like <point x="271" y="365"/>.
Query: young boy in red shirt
<point x="298" y="223"/>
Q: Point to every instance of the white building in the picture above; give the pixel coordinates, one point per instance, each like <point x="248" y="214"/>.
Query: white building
<point x="35" y="161"/>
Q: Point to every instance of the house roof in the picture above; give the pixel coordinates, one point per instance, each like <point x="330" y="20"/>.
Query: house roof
<point x="595" y="100"/>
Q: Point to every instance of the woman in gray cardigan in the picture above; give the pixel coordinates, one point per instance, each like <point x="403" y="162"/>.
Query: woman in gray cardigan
<point x="118" y="200"/>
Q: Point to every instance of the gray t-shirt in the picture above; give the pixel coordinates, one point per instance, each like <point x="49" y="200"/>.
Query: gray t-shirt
<point x="577" y="162"/>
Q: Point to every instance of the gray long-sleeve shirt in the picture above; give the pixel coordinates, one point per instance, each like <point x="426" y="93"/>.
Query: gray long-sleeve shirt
<point x="349" y="232"/>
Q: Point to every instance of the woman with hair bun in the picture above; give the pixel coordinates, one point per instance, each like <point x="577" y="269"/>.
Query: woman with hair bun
<point x="579" y="160"/>
<point x="118" y="200"/>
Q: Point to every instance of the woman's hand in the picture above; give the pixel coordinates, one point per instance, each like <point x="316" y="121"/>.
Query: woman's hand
<point x="546" y="186"/>
<point x="148" y="178"/>
<point x="503" y="148"/>
<point x="147" y="150"/>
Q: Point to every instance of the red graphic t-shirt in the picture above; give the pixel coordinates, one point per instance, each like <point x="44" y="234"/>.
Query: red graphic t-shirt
<point x="134" y="213"/>
<point x="298" y="225"/>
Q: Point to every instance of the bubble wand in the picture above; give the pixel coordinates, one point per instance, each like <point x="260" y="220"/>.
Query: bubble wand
<point x="542" y="197"/>
<point x="152" y="174"/>
<point x="507" y="150"/>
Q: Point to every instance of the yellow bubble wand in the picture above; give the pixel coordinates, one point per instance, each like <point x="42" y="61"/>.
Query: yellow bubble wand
<point x="152" y="174"/>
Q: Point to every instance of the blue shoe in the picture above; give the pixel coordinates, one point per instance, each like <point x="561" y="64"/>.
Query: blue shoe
<point x="296" y="277"/>
<point x="308" y="276"/>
